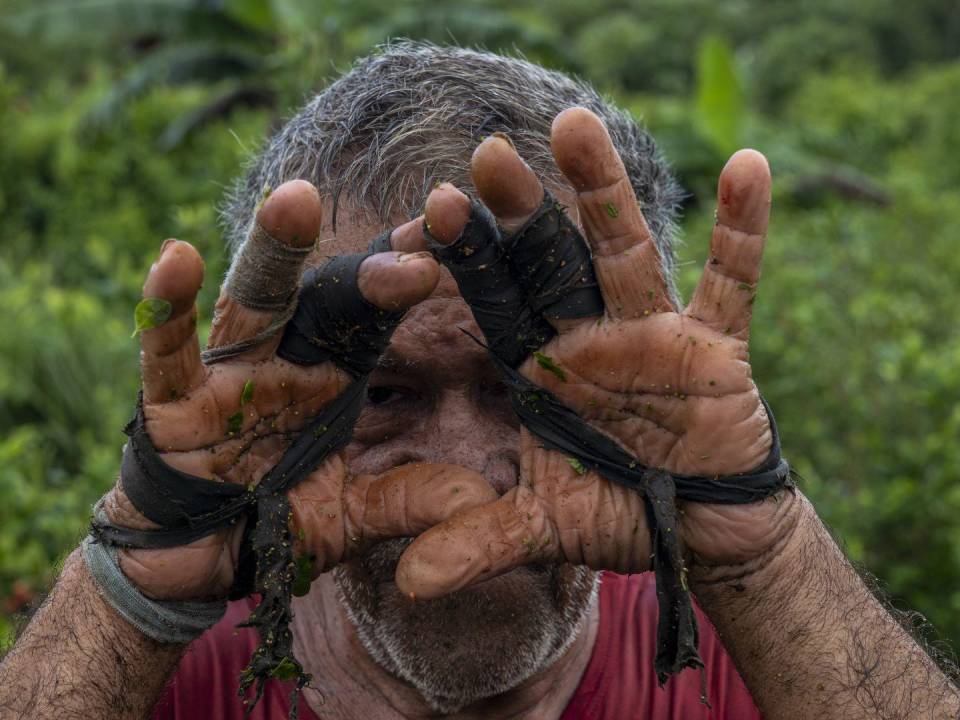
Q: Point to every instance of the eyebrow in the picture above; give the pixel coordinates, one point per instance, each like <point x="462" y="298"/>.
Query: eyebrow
<point x="391" y="361"/>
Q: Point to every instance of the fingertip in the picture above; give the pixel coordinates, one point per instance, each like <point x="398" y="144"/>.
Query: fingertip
<point x="292" y="213"/>
<point x="743" y="192"/>
<point x="446" y="213"/>
<point x="504" y="182"/>
<point x="583" y="150"/>
<point x="419" y="578"/>
<point x="396" y="281"/>
<point x="176" y="276"/>
<point x="409" y="237"/>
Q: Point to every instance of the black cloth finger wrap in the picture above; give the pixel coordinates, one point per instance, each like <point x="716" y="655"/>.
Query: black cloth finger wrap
<point x="551" y="263"/>
<point x="334" y="322"/>
<point x="511" y="285"/>
<point x="480" y="265"/>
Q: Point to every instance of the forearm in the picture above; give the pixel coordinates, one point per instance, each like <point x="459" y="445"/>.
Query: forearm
<point x="78" y="659"/>
<point x="811" y="640"/>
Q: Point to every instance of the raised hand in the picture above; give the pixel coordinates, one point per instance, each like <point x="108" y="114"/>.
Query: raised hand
<point x="672" y="387"/>
<point x="232" y="420"/>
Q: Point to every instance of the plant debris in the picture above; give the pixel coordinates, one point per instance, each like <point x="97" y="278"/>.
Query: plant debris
<point x="246" y="395"/>
<point x="577" y="465"/>
<point x="234" y="423"/>
<point x="548" y="364"/>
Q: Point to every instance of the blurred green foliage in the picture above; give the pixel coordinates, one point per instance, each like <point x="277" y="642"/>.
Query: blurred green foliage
<point x="124" y="120"/>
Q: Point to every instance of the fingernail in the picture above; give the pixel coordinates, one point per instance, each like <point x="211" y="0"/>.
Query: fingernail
<point x="166" y="244"/>
<point x="407" y="257"/>
<point x="505" y="137"/>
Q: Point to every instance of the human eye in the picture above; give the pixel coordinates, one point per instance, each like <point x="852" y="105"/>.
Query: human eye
<point x="380" y="395"/>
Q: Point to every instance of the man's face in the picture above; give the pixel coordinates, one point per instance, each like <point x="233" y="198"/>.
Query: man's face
<point x="436" y="397"/>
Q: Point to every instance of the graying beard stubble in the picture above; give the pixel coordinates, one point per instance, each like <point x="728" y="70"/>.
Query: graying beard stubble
<point x="539" y="632"/>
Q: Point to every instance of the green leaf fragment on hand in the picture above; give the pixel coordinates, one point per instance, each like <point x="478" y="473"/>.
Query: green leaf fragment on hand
<point x="246" y="395"/>
<point x="286" y="669"/>
<point x="548" y="364"/>
<point x="611" y="209"/>
<point x="577" y="465"/>
<point x="150" y="313"/>
<point x="301" y="584"/>
<point x="234" y="423"/>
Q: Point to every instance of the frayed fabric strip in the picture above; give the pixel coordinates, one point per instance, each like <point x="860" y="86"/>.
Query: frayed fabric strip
<point x="165" y="621"/>
<point x="263" y="277"/>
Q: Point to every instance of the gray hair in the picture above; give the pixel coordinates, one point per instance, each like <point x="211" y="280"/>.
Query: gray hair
<point x="412" y="113"/>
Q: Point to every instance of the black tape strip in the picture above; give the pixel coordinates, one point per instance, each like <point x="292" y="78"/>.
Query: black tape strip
<point x="479" y="264"/>
<point x="381" y="243"/>
<point x="551" y="261"/>
<point x="561" y="428"/>
<point x="334" y="321"/>
<point x="163" y="494"/>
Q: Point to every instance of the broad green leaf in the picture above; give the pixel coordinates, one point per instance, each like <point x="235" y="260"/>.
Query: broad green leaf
<point x="150" y="313"/>
<point x="255" y="14"/>
<point x="719" y="106"/>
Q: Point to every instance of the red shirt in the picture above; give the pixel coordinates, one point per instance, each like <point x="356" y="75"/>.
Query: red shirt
<point x="618" y="684"/>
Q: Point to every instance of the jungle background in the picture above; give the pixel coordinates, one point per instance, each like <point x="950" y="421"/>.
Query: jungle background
<point x="122" y="122"/>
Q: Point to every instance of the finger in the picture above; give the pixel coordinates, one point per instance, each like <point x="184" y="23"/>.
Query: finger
<point x="464" y="237"/>
<point x="170" y="353"/>
<point x="477" y="545"/>
<point x="505" y="183"/>
<point x="625" y="257"/>
<point x="726" y="291"/>
<point x="580" y="519"/>
<point x="410" y="499"/>
<point x="265" y="275"/>
<point x="349" y="307"/>
<point x="406" y="238"/>
<point x="402" y="502"/>
<point x="547" y="254"/>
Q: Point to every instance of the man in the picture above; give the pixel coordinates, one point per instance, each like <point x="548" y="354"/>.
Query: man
<point x="496" y="609"/>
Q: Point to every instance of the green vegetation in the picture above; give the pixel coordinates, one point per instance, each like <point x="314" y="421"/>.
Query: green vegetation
<point x="125" y="120"/>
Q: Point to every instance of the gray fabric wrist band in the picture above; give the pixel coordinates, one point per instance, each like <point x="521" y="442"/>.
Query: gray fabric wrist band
<point x="166" y="621"/>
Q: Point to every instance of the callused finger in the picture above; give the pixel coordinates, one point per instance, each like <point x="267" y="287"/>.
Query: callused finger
<point x="256" y="298"/>
<point x="626" y="259"/>
<point x="726" y="291"/>
<point x="170" y="352"/>
<point x="401" y="502"/>
<point x="479" y="544"/>
<point x="410" y="499"/>
<point x="547" y="254"/>
<point x="406" y="238"/>
<point x="505" y="183"/>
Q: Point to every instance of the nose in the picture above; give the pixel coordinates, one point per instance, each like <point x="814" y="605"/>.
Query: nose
<point x="460" y="433"/>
